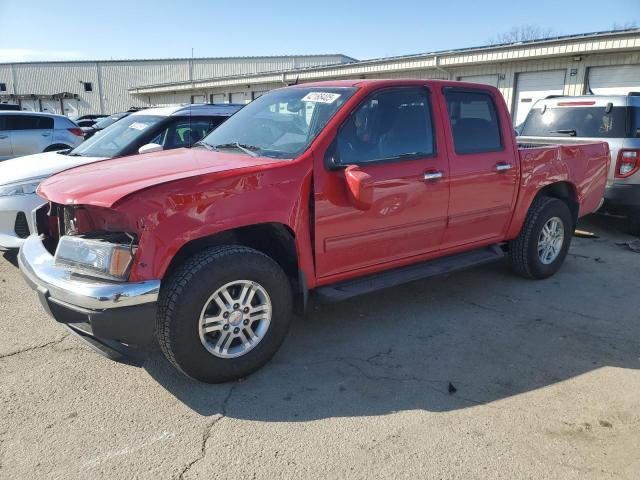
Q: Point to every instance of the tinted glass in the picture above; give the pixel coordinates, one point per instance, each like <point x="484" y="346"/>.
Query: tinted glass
<point x="110" y="120"/>
<point x="388" y="125"/>
<point x="3" y="122"/>
<point x="29" y="122"/>
<point x="281" y="123"/>
<point x="592" y="122"/>
<point x="634" y="123"/>
<point x="474" y="122"/>
<point x="117" y="138"/>
<point x="184" y="133"/>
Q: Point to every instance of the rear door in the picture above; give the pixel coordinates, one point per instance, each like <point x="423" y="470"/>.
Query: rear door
<point x="5" y="139"/>
<point x="392" y="137"/>
<point x="484" y="173"/>
<point x="30" y="133"/>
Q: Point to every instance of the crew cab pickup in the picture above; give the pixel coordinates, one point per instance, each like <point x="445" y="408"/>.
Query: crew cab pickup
<point x="341" y="188"/>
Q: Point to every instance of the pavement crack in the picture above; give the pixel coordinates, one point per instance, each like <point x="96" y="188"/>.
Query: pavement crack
<point x="37" y="347"/>
<point x="206" y="434"/>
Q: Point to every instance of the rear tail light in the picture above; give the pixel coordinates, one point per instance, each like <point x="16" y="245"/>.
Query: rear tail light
<point x="76" y="131"/>
<point x="628" y="163"/>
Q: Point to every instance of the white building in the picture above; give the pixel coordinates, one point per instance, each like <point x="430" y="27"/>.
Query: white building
<point x="603" y="62"/>
<point x="83" y="87"/>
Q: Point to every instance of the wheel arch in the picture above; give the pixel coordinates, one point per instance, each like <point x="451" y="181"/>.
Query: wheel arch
<point x="274" y="239"/>
<point x="564" y="191"/>
<point x="57" y="146"/>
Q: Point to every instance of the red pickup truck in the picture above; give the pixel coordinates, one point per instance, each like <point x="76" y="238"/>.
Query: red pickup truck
<point x="341" y="187"/>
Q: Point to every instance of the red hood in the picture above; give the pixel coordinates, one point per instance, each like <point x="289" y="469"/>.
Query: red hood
<point x="104" y="183"/>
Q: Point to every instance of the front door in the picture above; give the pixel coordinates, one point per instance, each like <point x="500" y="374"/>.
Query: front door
<point x="484" y="172"/>
<point x="390" y="137"/>
<point x="30" y="133"/>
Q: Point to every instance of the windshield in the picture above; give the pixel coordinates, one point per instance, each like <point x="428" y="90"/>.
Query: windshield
<point x="591" y="122"/>
<point x="110" y="120"/>
<point x="111" y="141"/>
<point x="281" y="123"/>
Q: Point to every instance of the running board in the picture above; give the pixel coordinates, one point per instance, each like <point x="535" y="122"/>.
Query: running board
<point x="391" y="278"/>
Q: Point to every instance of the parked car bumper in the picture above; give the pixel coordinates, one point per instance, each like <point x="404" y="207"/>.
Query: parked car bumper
<point x="117" y="319"/>
<point x="16" y="219"/>
<point x="623" y="196"/>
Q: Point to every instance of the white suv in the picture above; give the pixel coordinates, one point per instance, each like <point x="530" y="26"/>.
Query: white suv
<point x="24" y="133"/>
<point x="145" y="131"/>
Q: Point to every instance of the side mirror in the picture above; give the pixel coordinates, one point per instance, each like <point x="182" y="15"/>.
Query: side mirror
<point x="150" y="147"/>
<point x="360" y="187"/>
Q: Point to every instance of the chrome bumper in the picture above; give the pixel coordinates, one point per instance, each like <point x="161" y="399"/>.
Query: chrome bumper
<point x="36" y="264"/>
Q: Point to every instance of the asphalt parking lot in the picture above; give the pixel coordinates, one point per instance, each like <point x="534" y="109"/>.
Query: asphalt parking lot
<point x="478" y="374"/>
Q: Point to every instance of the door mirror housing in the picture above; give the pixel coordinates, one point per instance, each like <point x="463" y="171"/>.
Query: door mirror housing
<point x="359" y="187"/>
<point x="150" y="147"/>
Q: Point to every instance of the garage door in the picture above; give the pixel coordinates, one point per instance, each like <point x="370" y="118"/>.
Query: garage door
<point x="198" y="99"/>
<point x="237" y="97"/>
<point x="618" y="80"/>
<point x="218" y="98"/>
<point x="50" y="106"/>
<point x="532" y="86"/>
<point x="71" y="108"/>
<point x="30" y="105"/>
<point x="483" y="79"/>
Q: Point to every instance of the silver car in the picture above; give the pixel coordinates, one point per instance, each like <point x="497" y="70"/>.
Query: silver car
<point x="612" y="118"/>
<point x="25" y="133"/>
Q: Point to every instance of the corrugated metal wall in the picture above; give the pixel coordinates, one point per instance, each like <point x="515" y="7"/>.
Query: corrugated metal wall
<point x="111" y="80"/>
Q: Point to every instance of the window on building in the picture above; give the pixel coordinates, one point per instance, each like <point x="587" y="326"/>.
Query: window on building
<point x="3" y="87"/>
<point x="389" y="125"/>
<point x="474" y="121"/>
<point x="88" y="86"/>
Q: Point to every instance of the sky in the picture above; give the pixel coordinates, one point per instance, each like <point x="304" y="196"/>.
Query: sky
<point x="114" y="29"/>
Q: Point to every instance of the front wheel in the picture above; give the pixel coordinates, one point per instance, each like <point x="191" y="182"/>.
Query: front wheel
<point x="543" y="243"/>
<point x="224" y="313"/>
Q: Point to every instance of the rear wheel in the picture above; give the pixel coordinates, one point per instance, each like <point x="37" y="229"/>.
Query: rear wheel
<point x="540" y="249"/>
<point x="224" y="313"/>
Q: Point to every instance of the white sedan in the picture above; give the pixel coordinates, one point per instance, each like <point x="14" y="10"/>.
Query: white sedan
<point x="141" y="132"/>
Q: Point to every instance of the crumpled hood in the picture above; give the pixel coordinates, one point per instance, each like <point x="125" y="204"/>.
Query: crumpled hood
<point x="104" y="183"/>
<point x="39" y="165"/>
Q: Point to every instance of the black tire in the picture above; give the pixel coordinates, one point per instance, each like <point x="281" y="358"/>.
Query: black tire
<point x="56" y="147"/>
<point x="523" y="250"/>
<point x="632" y="226"/>
<point x="185" y="293"/>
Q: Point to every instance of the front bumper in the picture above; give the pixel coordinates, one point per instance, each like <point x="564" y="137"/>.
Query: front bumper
<point x="118" y="319"/>
<point x="9" y="209"/>
<point x="623" y="196"/>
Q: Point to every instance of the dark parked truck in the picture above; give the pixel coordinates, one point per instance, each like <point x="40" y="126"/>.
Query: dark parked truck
<point x="340" y="188"/>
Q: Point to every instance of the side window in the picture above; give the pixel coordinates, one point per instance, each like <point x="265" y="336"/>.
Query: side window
<point x="29" y="122"/>
<point x="183" y="133"/>
<point x="389" y="125"/>
<point x="474" y="121"/>
<point x="3" y="122"/>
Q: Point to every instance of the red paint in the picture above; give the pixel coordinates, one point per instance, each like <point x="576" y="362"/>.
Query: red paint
<point x="346" y="222"/>
<point x="575" y="104"/>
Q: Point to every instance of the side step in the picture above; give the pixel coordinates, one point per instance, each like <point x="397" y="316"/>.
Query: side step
<point x="391" y="278"/>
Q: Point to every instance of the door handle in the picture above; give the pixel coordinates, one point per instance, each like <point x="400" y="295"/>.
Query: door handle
<point x="432" y="176"/>
<point x="503" y="167"/>
<point x="2" y="137"/>
<point x="46" y="134"/>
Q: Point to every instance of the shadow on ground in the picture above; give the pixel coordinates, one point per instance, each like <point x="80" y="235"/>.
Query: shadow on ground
<point x="443" y="344"/>
<point x="11" y="256"/>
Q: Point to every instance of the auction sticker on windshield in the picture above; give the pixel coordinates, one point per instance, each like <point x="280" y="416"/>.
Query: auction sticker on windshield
<point x="321" y="97"/>
<point x="138" y="125"/>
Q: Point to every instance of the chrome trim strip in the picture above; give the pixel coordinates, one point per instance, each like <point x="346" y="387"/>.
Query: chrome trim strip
<point x="36" y="264"/>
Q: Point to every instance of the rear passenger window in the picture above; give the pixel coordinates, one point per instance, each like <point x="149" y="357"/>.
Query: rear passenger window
<point x="474" y="121"/>
<point x="29" y="122"/>
<point x="389" y="125"/>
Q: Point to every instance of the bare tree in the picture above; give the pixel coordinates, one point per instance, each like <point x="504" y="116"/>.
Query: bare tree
<point x="522" y="33"/>
<point x="625" y="25"/>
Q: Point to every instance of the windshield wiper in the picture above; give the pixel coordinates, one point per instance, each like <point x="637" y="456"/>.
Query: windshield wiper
<point x="565" y="131"/>
<point x="248" y="149"/>
<point x="203" y="144"/>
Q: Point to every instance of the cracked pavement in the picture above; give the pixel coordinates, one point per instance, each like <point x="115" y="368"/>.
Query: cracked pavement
<point x="546" y="377"/>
